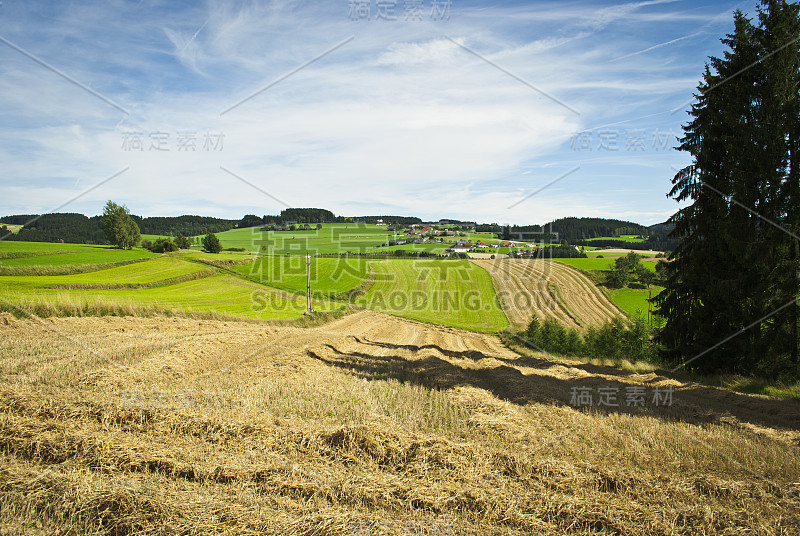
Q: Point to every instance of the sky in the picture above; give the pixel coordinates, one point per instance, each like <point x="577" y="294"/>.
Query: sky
<point x="516" y="113"/>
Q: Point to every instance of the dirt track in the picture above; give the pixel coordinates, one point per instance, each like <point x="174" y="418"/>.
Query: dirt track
<point x="547" y="289"/>
<point x="154" y="425"/>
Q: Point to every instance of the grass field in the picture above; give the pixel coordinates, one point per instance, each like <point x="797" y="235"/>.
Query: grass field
<point x="332" y="238"/>
<point x="433" y="247"/>
<point x="621" y="238"/>
<point x="591" y="264"/>
<point x="634" y="300"/>
<point x="452" y="292"/>
<point x="368" y="425"/>
<point x="91" y="255"/>
<point x="168" y="283"/>
<point x="328" y="275"/>
<point x="70" y="279"/>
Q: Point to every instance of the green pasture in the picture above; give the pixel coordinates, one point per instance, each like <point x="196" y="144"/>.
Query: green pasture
<point x="431" y="247"/>
<point x="621" y="238"/>
<point x="634" y="300"/>
<point x="151" y="271"/>
<point x="593" y="263"/>
<point x="457" y="293"/>
<point x="96" y="255"/>
<point x="452" y="292"/>
<point x="332" y="238"/>
<point x="328" y="275"/>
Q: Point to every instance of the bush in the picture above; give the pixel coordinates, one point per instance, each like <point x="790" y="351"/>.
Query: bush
<point x="182" y="242"/>
<point x="161" y="245"/>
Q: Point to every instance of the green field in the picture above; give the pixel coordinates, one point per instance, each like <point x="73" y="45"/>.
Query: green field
<point x="633" y="300"/>
<point x="157" y="269"/>
<point x="332" y="238"/>
<point x="430" y="247"/>
<point x="592" y="264"/>
<point x="328" y="275"/>
<point x="621" y="238"/>
<point x="589" y="264"/>
<point x="65" y="279"/>
<point x="158" y="282"/>
<point x="453" y="292"/>
<point x="89" y="255"/>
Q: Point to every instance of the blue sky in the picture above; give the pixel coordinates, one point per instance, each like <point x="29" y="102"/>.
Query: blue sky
<point x="514" y="113"/>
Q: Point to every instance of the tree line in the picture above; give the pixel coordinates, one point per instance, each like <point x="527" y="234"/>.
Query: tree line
<point x="291" y="216"/>
<point x="79" y="229"/>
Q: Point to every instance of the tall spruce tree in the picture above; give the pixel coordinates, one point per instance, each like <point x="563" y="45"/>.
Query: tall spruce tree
<point x="734" y="263"/>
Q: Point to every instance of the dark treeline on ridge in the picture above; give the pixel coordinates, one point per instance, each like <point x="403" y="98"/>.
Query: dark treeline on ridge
<point x="79" y="229"/>
<point x="320" y="215"/>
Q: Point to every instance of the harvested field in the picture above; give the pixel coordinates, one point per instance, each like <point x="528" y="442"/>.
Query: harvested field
<point x="548" y="289"/>
<point x="369" y="424"/>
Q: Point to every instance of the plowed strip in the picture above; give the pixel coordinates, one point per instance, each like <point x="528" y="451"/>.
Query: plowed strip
<point x="547" y="289"/>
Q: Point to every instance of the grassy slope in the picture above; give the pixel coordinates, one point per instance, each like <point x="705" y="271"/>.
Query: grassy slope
<point x="332" y="238"/>
<point x="622" y="238"/>
<point x="452" y="292"/>
<point x="69" y="256"/>
<point x="336" y="275"/>
<point x="222" y="293"/>
<point x="156" y="269"/>
<point x="633" y="300"/>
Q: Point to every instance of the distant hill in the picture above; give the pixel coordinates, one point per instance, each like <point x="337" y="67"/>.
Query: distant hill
<point x="577" y="229"/>
<point x="79" y="229"/>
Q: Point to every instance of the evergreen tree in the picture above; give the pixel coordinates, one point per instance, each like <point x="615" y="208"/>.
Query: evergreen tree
<point x="733" y="264"/>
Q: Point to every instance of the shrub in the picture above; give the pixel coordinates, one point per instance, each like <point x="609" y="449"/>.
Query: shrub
<point x="161" y="245"/>
<point x="182" y="242"/>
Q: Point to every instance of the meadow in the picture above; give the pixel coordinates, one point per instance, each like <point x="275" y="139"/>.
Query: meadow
<point x="621" y="238"/>
<point x="238" y="284"/>
<point x="101" y="278"/>
<point x="452" y="292"/>
<point x="338" y="275"/>
<point x="332" y="238"/>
